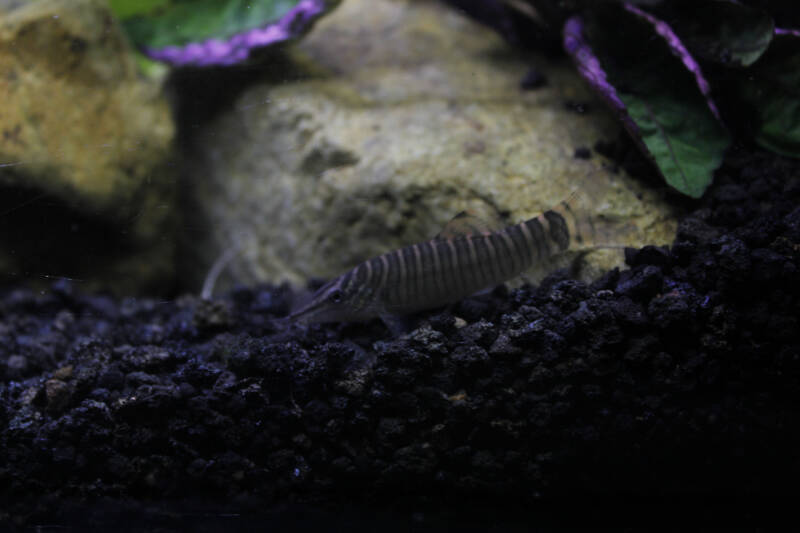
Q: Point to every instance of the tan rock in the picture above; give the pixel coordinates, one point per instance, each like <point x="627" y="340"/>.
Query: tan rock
<point x="407" y="114"/>
<point x="77" y="119"/>
<point x="80" y="125"/>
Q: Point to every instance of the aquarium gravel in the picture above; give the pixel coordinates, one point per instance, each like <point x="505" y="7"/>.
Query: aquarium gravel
<point x="673" y="382"/>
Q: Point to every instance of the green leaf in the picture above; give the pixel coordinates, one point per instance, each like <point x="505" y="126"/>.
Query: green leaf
<point x="724" y="32"/>
<point x="772" y="89"/>
<point x="670" y="117"/>
<point x="161" y="23"/>
<point x="127" y="8"/>
<point x="685" y="141"/>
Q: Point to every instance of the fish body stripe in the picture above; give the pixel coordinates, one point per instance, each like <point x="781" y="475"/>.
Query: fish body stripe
<point x="567" y="210"/>
<point x="452" y="274"/>
<point x="371" y="287"/>
<point x="516" y="254"/>
<point x="393" y="273"/>
<point x="476" y="264"/>
<point x="501" y="261"/>
<point x="361" y="275"/>
<point x="381" y="290"/>
<point x="368" y="264"/>
<point x="421" y="277"/>
<point x="376" y="272"/>
<point x="485" y="260"/>
<point x="366" y="291"/>
<point x="503" y="246"/>
<point x="437" y="275"/>
<point x="505" y="262"/>
<point x="583" y="229"/>
<point x="347" y="279"/>
<point x="357" y="282"/>
<point x="533" y="228"/>
<point x="559" y="232"/>
<point x="400" y="286"/>
<point x="522" y="243"/>
<point x="446" y="257"/>
<point x="411" y="279"/>
<point x="441" y="264"/>
<point x="464" y="273"/>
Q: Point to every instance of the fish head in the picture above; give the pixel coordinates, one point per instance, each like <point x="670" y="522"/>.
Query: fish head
<point x="332" y="302"/>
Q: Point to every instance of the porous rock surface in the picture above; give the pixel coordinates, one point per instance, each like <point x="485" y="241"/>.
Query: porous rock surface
<point x="392" y="117"/>
<point x="84" y="131"/>
<point x="78" y="118"/>
<point x="673" y="382"/>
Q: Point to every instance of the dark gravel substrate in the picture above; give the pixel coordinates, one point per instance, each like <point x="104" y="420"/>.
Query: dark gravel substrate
<point x="673" y="385"/>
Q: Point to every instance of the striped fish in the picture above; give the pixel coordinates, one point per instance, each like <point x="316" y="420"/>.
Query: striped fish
<point x="465" y="258"/>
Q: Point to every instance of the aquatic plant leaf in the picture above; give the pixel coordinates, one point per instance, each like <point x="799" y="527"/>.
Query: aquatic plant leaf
<point x="657" y="91"/>
<point x="678" y="50"/>
<point x="214" y="32"/>
<point x="773" y="91"/>
<point x="123" y="9"/>
<point x="724" y="32"/>
<point x="686" y="144"/>
<point x="178" y="22"/>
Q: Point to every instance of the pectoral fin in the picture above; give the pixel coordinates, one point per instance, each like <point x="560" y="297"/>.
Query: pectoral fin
<point x="398" y="324"/>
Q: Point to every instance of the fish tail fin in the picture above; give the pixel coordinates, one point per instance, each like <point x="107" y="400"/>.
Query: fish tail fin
<point x="589" y="227"/>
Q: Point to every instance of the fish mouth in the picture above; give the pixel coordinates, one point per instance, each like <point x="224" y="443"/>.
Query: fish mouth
<point x="307" y="312"/>
<point x="309" y="307"/>
<point x="301" y="315"/>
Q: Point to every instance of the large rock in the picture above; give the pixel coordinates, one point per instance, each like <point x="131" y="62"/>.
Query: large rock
<point x="82" y="128"/>
<point x="407" y="114"/>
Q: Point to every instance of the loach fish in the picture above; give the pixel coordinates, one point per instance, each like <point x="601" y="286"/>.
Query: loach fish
<point x="465" y="258"/>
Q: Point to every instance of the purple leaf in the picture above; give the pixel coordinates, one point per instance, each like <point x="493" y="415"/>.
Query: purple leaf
<point x="657" y="91"/>
<point x="787" y="31"/>
<point x="238" y="47"/>
<point x="678" y="49"/>
<point x="590" y="69"/>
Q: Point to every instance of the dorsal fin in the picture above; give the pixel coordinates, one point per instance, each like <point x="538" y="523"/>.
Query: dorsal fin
<point x="468" y="223"/>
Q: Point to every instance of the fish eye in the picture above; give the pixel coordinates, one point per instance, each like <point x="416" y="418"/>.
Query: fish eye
<point x="335" y="296"/>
